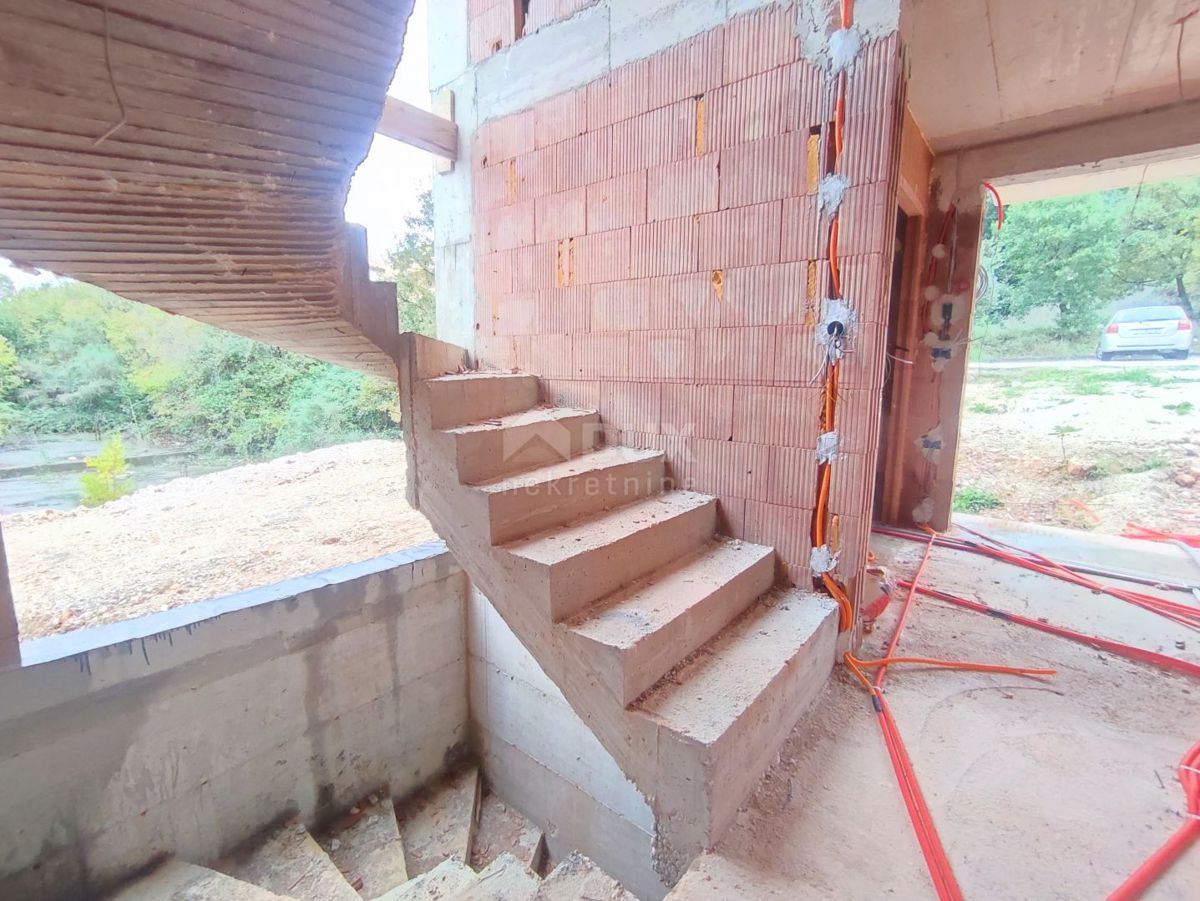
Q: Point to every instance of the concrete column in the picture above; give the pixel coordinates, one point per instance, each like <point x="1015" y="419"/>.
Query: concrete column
<point x="10" y="650"/>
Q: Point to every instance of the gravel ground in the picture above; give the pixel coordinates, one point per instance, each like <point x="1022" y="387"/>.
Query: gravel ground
<point x="1085" y="461"/>
<point x="198" y="538"/>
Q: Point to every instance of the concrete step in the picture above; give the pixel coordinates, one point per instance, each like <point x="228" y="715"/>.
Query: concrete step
<point x="631" y="638"/>
<point x="502" y="829"/>
<point x="439" y="821"/>
<point x="723" y="714"/>
<point x="444" y="881"/>
<point x="179" y="881"/>
<point x="521" y="441"/>
<point x="505" y="879"/>
<point x="468" y="397"/>
<point x="570" y="490"/>
<point x="578" y="877"/>
<point x="288" y="861"/>
<point x="365" y="845"/>
<point x="564" y="570"/>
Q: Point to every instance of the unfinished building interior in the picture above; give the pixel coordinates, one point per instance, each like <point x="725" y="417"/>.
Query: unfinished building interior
<point x="705" y="275"/>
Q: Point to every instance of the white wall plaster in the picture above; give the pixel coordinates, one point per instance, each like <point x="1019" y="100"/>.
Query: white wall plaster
<point x="449" y="43"/>
<point x="641" y="28"/>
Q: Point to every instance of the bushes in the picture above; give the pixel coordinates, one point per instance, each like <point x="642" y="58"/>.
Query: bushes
<point x="107" y="477"/>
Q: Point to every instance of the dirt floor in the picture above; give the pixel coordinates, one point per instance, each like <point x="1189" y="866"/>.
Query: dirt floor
<point x="1089" y="447"/>
<point x="1040" y="788"/>
<point x="198" y="538"/>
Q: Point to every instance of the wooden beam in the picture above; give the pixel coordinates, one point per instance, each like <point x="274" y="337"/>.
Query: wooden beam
<point x="418" y="128"/>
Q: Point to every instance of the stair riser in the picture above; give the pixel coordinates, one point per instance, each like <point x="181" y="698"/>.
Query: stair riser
<point x="636" y="669"/>
<point x="575" y="584"/>
<point x="523" y="511"/>
<point x="460" y="402"/>
<point x="726" y="771"/>
<point x="500" y="452"/>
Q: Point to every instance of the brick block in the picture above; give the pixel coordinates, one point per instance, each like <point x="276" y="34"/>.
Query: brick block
<point x="866" y="220"/>
<point x="857" y="422"/>
<point x="732" y="468"/>
<point x="664" y="248"/>
<point x="785" y="528"/>
<point x="629" y="90"/>
<point x="653" y="138"/>
<point x="494" y="186"/>
<point x="776" y="415"/>
<point x="744" y="236"/>
<point x="617" y="202"/>
<point x="700" y="411"/>
<point x="850" y="487"/>
<point x="510" y="137"/>
<point x="767" y="169"/>
<point x="760" y="41"/>
<point x="665" y="355"/>
<point x="602" y="257"/>
<point x="773" y="294"/>
<point x="620" y="306"/>
<point x="492" y="30"/>
<point x="683" y="188"/>
<point x="494" y="273"/>
<point x="563" y="311"/>
<point x="515" y="314"/>
<point x="751" y="109"/>
<point x="688" y="69"/>
<point x="731" y="516"/>
<point x="794" y="476"/>
<point x="583" y="160"/>
<point x="799" y="360"/>
<point x="533" y="174"/>
<point x="562" y="215"/>
<point x="506" y="227"/>
<point x="683" y="301"/>
<point x="570" y="392"/>
<point x="740" y="355"/>
<point x="634" y="406"/>
<point x="549" y="356"/>
<point x="805" y="232"/>
<point x="601" y="356"/>
<point x="560" y="118"/>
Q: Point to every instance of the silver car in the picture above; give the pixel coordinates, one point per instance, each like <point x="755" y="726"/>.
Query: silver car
<point x="1164" y="330"/>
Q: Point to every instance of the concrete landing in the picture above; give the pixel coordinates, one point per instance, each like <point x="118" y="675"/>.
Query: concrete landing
<point x="504" y="879"/>
<point x="290" y="862"/>
<point x="1052" y="788"/>
<point x="439" y="821"/>
<point x="502" y="829"/>
<point x="179" y="881"/>
<point x="365" y="844"/>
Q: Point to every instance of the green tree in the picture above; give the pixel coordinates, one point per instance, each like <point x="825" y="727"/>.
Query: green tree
<point x="410" y="266"/>
<point x="1160" y="244"/>
<point x="107" y="476"/>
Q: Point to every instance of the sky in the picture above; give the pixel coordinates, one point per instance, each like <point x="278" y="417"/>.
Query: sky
<point x="386" y="187"/>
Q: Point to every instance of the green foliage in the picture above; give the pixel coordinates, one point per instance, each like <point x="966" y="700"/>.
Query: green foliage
<point x="410" y="266"/>
<point x="982" y="406"/>
<point x="975" y="500"/>
<point x="107" y="476"/>
<point x="1183" y="408"/>
<point x="1079" y="255"/>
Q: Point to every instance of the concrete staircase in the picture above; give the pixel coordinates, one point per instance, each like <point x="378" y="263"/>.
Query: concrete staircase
<point x="675" y="644"/>
<point x="450" y="842"/>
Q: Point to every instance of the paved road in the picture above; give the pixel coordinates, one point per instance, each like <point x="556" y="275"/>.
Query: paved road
<point x="1192" y="364"/>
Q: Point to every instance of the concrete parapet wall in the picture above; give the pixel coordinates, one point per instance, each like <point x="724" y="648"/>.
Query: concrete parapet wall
<point x="188" y="731"/>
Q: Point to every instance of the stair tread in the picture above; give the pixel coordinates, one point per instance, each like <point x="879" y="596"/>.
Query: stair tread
<point x="176" y="880"/>
<point x="444" y="881"/>
<point x="565" y="542"/>
<point x="439" y="821"/>
<point x="502" y="828"/>
<point x="288" y="861"/>
<point x="504" y="879"/>
<point x="366" y="846"/>
<point x="625" y="617"/>
<point x="702" y="697"/>
<point x="525" y="417"/>
<point x="590" y="462"/>
<point x="579" y="877"/>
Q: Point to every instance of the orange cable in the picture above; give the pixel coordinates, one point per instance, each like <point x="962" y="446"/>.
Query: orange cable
<point x="955" y="665"/>
<point x="835" y="274"/>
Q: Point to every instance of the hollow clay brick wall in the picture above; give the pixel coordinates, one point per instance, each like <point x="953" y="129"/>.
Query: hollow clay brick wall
<point x="650" y="246"/>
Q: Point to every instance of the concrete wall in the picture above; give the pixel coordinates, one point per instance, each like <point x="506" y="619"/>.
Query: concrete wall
<point x="637" y="198"/>
<point x="188" y="731"/>
<point x="542" y="758"/>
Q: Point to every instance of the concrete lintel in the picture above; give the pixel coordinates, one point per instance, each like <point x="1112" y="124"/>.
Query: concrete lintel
<point x="641" y="28"/>
<point x="1115" y="143"/>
